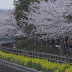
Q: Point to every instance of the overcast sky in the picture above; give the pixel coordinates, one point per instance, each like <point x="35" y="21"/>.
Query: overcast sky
<point x="6" y="4"/>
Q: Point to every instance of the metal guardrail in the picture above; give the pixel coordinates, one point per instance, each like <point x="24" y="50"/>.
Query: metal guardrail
<point x="49" y="57"/>
<point x="6" y="40"/>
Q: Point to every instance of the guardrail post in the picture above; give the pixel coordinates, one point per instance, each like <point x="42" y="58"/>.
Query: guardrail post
<point x="32" y="53"/>
<point x="65" y="59"/>
<point x="69" y="59"/>
<point x="50" y="57"/>
<point x="35" y="54"/>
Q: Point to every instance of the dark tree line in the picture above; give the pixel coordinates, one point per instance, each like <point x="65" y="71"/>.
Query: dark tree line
<point x="60" y="46"/>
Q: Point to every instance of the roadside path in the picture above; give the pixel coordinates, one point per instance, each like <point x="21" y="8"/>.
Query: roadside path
<point x="12" y="67"/>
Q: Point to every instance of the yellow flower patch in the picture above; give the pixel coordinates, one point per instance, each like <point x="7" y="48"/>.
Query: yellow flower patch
<point x="44" y="64"/>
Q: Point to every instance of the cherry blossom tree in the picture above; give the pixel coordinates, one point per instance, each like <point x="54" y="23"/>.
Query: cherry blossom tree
<point x="8" y="24"/>
<point x="51" y="19"/>
<point x="47" y="20"/>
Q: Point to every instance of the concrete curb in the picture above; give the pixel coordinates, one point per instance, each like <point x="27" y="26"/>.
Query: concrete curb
<point x="18" y="67"/>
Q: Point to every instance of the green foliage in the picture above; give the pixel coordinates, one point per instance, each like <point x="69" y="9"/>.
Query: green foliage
<point x="69" y="17"/>
<point x="29" y="64"/>
<point x="28" y="28"/>
<point x="28" y="44"/>
<point x="22" y="5"/>
<point x="46" y="0"/>
<point x="25" y="44"/>
<point x="37" y="66"/>
<point x="48" y="70"/>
